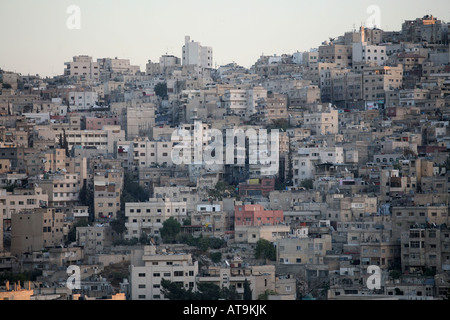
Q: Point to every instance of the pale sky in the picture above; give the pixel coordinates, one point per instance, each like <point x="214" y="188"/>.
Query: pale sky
<point x="35" y="38"/>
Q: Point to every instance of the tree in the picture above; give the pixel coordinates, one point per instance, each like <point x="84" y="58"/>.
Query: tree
<point x="161" y="90"/>
<point x="170" y="229"/>
<point x="247" y="291"/>
<point x="265" y="250"/>
<point x="307" y="184"/>
<point x="72" y="235"/>
<point x="216" y="257"/>
<point x="175" y="291"/>
<point x="222" y="190"/>
<point x="205" y="291"/>
<point x="118" y="224"/>
<point x="266" y="294"/>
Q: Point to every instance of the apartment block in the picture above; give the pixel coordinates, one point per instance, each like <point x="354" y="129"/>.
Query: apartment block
<point x="148" y="217"/>
<point x="34" y="230"/>
<point x="256" y="215"/>
<point x="146" y="276"/>
<point x="96" y="239"/>
<point x="303" y="250"/>
<point x="196" y="54"/>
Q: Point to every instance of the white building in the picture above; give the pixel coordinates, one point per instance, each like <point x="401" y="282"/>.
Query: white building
<point x="82" y="67"/>
<point x="196" y="54"/>
<point x="367" y="52"/>
<point x="363" y="52"/>
<point x="82" y="100"/>
<point x="146" y="274"/>
<point x="307" y="158"/>
<point x="146" y="153"/>
<point x="148" y="217"/>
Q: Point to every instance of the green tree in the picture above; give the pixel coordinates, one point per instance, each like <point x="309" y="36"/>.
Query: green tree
<point x="307" y="184"/>
<point x="265" y="250"/>
<point x="216" y="257"/>
<point x="118" y="224"/>
<point x="266" y="294"/>
<point x="175" y="291"/>
<point x="247" y="291"/>
<point x="86" y="198"/>
<point x="222" y="190"/>
<point x="170" y="229"/>
<point x="161" y="90"/>
<point x="207" y="291"/>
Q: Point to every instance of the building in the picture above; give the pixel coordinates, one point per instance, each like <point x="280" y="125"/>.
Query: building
<point x="260" y="278"/>
<point x="155" y="265"/>
<point x="255" y="215"/>
<point x="34" y="230"/>
<point x="252" y="234"/>
<point x="303" y="250"/>
<point x="196" y="54"/>
<point x="82" y="67"/>
<point x="148" y="217"/>
<point x="96" y="239"/>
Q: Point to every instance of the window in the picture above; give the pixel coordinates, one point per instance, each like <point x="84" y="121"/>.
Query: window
<point x="178" y="273"/>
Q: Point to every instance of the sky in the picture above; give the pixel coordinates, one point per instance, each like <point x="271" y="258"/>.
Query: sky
<point x="38" y="36"/>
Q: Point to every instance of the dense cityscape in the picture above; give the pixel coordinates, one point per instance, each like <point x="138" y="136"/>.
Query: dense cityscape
<point x="316" y="175"/>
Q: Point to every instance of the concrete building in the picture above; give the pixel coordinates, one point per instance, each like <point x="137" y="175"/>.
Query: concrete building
<point x="260" y="278"/>
<point x="96" y="239"/>
<point x="148" y="217"/>
<point x="252" y="234"/>
<point x="82" y="67"/>
<point x="322" y="123"/>
<point x="34" y="230"/>
<point x="155" y="265"/>
<point x="146" y="153"/>
<point x="83" y="100"/>
<point x="255" y="215"/>
<point x="196" y="54"/>
<point x="307" y="158"/>
<point x="303" y="250"/>
<point x="62" y="190"/>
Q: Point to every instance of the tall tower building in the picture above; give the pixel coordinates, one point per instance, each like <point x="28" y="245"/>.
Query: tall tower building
<point x="196" y="54"/>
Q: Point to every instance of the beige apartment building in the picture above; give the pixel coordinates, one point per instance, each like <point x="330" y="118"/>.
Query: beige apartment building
<point x="106" y="200"/>
<point x="82" y="67"/>
<point x="336" y="53"/>
<point x="213" y="219"/>
<point x="378" y="80"/>
<point x="260" y="278"/>
<point x="303" y="250"/>
<point x="155" y="265"/>
<point x="148" y="217"/>
<point x="190" y="195"/>
<point x="425" y="247"/>
<point x="34" y="230"/>
<point x="105" y="139"/>
<point x="322" y="123"/>
<point x="62" y="190"/>
<point x="20" y="200"/>
<point x="406" y="216"/>
<point x="96" y="239"/>
<point x="252" y="234"/>
<point x="386" y="255"/>
<point x="145" y="153"/>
